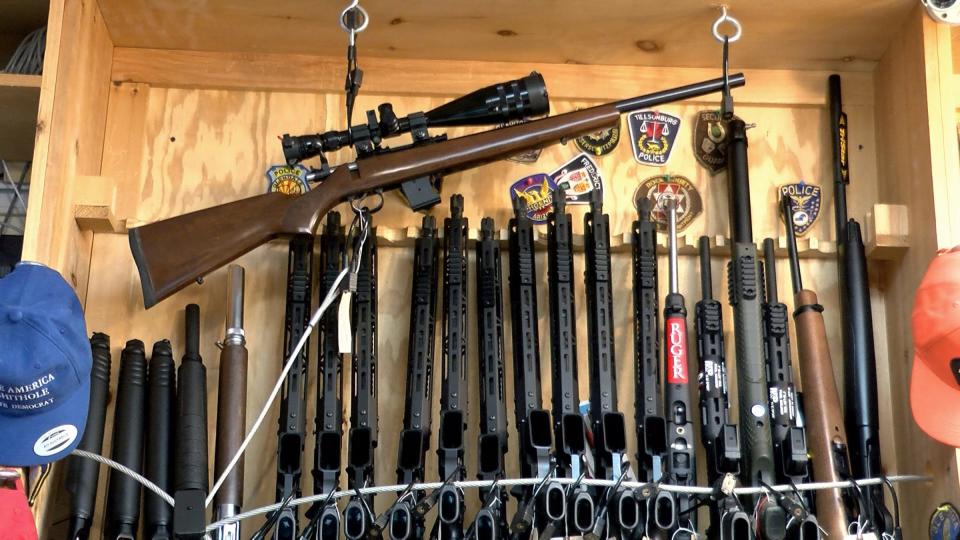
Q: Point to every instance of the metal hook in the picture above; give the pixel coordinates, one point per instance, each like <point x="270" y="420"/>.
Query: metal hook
<point x="724" y="18"/>
<point x="348" y="20"/>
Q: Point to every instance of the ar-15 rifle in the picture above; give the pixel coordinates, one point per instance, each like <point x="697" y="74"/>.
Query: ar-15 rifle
<point x="173" y="253"/>
<point x="862" y="418"/>
<point x="543" y="504"/>
<point x="828" y="438"/>
<point x="789" y="440"/>
<point x="358" y="515"/>
<point x="291" y="434"/>
<point x="122" y="516"/>
<point x="609" y="430"/>
<point x="490" y="522"/>
<point x="324" y="515"/>
<point x="569" y="427"/>
<point x="728" y="521"/>
<point x="406" y="522"/>
<point x="453" y="398"/>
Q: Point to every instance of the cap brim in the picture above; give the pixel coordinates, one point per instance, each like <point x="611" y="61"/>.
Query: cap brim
<point x="935" y="404"/>
<point x="20" y="434"/>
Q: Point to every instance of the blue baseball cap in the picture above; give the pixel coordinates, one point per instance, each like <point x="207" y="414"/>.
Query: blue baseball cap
<point x="45" y="362"/>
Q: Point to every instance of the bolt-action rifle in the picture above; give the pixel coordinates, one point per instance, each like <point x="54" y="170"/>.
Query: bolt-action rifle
<point x="609" y="429"/>
<point x="542" y="504"/>
<point x="359" y="514"/>
<point x="569" y="426"/>
<point x="406" y="521"/>
<point x="291" y="434"/>
<point x="728" y="520"/>
<point x="453" y="397"/>
<point x="862" y="418"/>
<point x="490" y="522"/>
<point x="324" y="515"/>
<point x="174" y="252"/>
<point x="828" y="438"/>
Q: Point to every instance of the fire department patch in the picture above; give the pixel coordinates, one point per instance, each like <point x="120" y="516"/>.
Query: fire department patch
<point x="709" y="141"/>
<point x="806" y="200"/>
<point x="679" y="188"/>
<point x="287" y="179"/>
<point x="536" y="191"/>
<point x="601" y="142"/>
<point x="579" y="177"/>
<point x="652" y="135"/>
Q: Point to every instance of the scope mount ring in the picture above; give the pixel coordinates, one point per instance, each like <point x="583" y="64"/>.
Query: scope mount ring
<point x="725" y="18"/>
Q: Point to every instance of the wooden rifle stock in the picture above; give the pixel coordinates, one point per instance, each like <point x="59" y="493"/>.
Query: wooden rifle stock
<point x="174" y="252"/>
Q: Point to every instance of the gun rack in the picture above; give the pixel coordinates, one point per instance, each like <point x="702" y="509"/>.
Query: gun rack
<point x="154" y="109"/>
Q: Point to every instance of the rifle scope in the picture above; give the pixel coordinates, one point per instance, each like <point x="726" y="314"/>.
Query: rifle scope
<point x="496" y="104"/>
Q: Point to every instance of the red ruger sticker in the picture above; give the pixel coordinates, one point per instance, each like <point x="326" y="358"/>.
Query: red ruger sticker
<point x="677" y="351"/>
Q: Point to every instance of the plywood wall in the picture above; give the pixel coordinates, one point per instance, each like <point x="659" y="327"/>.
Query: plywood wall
<point x="170" y="149"/>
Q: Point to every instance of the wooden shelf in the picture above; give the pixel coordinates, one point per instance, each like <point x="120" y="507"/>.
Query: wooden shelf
<point x="19" y="99"/>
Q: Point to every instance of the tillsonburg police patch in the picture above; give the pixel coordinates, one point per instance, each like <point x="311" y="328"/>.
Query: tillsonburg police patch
<point x="653" y="135"/>
<point x="806" y="200"/>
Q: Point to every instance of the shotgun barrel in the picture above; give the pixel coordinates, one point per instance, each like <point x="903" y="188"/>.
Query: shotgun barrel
<point x="83" y="474"/>
<point x="172" y="253"/>
<point x="231" y="406"/>
<point x="161" y="408"/>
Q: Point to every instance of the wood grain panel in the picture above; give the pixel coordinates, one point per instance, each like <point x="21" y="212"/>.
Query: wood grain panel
<point x="19" y="99"/>
<point x="646" y="33"/>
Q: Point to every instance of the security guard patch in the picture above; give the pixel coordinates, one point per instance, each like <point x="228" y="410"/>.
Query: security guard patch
<point x="653" y="135"/>
<point x="601" y="142"/>
<point x="806" y="200"/>
<point x="536" y="191"/>
<point x="287" y="179"/>
<point x="679" y="188"/>
<point x="709" y="141"/>
<point x="579" y="177"/>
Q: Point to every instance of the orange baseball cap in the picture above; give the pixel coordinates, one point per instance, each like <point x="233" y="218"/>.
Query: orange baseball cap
<point x="935" y="384"/>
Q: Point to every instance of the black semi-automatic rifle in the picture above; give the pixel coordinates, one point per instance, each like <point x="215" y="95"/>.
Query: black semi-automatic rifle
<point x="570" y="429"/>
<point x="324" y="515"/>
<point x="173" y="253"/>
<point x="83" y="473"/>
<point x="728" y="520"/>
<point x="158" y="457"/>
<point x="680" y="468"/>
<point x="543" y="504"/>
<point x="657" y="508"/>
<point x="191" y="468"/>
<point x="453" y="397"/>
<point x="490" y="522"/>
<point x="609" y="430"/>
<point x="359" y="514"/>
<point x="862" y="418"/>
<point x="789" y="440"/>
<point x="122" y="515"/>
<point x="406" y="522"/>
<point x="291" y="434"/>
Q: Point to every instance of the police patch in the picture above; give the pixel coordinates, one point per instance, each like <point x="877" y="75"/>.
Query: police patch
<point x="537" y="193"/>
<point x="652" y="135"/>
<point x="601" y="142"/>
<point x="806" y="199"/>
<point x="679" y="188"/>
<point x="709" y="141"/>
<point x="530" y="156"/>
<point x="287" y="179"/>
<point x="579" y="177"/>
<point x="944" y="523"/>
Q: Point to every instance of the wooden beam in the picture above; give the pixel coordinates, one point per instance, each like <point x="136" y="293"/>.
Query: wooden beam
<point x="19" y="99"/>
<point x="302" y="73"/>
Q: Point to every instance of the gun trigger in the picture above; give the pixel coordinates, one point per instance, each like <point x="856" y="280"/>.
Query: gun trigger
<point x="344" y="332"/>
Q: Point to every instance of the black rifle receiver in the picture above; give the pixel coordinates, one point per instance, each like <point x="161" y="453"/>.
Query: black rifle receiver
<point x="569" y="427"/>
<point x="191" y="459"/>
<point x="717" y="433"/>
<point x="491" y="522"/>
<point x="161" y="408"/>
<point x="121" y="519"/>
<point x="454" y="396"/>
<point x="862" y="418"/>
<point x="325" y="518"/>
<point x="358" y="515"/>
<point x="83" y="473"/>
<point x="405" y="521"/>
<point x="609" y="429"/>
<point x="533" y="421"/>
<point x="291" y="434"/>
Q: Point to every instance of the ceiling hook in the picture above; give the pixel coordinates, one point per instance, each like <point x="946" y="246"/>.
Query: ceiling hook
<point x="725" y="18"/>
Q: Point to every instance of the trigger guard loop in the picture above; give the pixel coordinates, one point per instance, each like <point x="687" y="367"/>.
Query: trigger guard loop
<point x="358" y="208"/>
